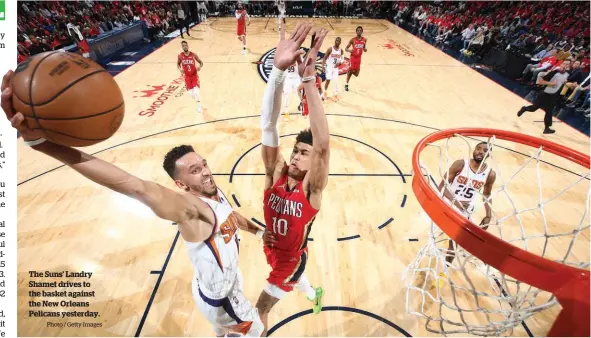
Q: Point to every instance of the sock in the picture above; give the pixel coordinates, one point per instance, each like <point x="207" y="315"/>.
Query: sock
<point x="195" y="94"/>
<point x="336" y="87"/>
<point x="304" y="286"/>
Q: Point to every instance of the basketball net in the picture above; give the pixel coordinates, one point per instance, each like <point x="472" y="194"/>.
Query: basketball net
<point x="469" y="296"/>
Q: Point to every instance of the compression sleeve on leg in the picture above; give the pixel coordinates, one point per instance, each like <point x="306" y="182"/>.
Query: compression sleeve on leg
<point x="271" y="108"/>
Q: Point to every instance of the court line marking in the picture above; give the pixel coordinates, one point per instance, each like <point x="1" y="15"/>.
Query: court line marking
<point x="258" y="116"/>
<point x="267" y="34"/>
<point x="400" y="174"/>
<point x="338" y="308"/>
<point x="155" y="290"/>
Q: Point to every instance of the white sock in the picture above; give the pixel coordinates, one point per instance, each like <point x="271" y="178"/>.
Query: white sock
<point x="286" y="101"/>
<point x="304" y="286"/>
<point x="336" y="87"/>
<point x="195" y="94"/>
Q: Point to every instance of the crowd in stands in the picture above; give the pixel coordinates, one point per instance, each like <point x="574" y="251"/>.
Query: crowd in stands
<point x="548" y="32"/>
<point x="43" y="25"/>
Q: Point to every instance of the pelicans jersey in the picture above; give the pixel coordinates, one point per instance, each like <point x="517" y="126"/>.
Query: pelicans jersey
<point x="358" y="45"/>
<point x="241" y="19"/>
<point x="189" y="70"/>
<point x="466" y="184"/>
<point x="217" y="282"/>
<point x="289" y="215"/>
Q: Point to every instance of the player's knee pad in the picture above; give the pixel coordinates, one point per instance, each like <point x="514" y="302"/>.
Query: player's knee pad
<point x="274" y="291"/>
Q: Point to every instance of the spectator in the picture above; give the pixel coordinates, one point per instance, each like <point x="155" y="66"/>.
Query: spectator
<point x="536" y="68"/>
<point x="37" y="47"/>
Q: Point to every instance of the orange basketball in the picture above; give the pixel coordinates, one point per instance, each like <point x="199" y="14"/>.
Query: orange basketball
<point x="71" y="99"/>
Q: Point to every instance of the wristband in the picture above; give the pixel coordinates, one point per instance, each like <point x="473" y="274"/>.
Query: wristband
<point x="260" y="233"/>
<point x="308" y="78"/>
<point x="35" y="142"/>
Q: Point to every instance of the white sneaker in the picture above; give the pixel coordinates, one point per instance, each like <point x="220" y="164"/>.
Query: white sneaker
<point x="199" y="109"/>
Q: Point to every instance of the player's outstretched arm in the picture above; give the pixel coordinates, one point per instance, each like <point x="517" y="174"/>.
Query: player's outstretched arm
<point x="365" y="45"/>
<point x="164" y="202"/>
<point x="286" y="54"/>
<point x="317" y="177"/>
<point x="454" y="170"/>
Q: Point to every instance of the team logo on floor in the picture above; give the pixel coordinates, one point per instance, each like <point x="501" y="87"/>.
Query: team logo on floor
<point x="160" y="94"/>
<point x="265" y="64"/>
<point x="393" y="44"/>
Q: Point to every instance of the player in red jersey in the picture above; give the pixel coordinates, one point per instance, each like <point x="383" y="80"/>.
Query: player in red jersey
<point x="242" y="16"/>
<point x="186" y="64"/>
<point x="302" y="94"/>
<point x="293" y="191"/>
<point x="359" y="46"/>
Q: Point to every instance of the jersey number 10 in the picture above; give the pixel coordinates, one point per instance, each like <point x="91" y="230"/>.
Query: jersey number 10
<point x="280" y="226"/>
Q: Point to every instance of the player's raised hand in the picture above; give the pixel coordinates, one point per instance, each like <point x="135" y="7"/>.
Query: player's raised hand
<point x="17" y="120"/>
<point x="308" y="66"/>
<point x="288" y="50"/>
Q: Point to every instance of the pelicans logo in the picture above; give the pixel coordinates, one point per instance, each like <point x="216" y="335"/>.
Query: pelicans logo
<point x="265" y="64"/>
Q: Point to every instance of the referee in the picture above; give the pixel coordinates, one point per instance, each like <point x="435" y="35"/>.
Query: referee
<point x="547" y="98"/>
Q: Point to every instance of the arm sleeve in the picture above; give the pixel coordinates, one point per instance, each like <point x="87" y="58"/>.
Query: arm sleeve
<point x="271" y="108"/>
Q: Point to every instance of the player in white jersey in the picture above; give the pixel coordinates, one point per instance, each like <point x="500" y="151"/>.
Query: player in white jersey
<point x="330" y="63"/>
<point x="217" y="281"/>
<point x="466" y="178"/>
<point x="281" y="8"/>
<point x="292" y="82"/>
<point x="202" y="216"/>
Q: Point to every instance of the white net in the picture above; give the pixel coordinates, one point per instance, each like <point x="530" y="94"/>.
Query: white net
<point x="539" y="203"/>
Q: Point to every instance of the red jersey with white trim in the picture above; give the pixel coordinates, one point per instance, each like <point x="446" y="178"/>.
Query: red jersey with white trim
<point x="242" y="18"/>
<point x="358" y="45"/>
<point x="289" y="215"/>
<point x="188" y="63"/>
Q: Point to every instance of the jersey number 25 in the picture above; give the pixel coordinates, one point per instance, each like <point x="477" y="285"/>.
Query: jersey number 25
<point x="280" y="226"/>
<point x="464" y="191"/>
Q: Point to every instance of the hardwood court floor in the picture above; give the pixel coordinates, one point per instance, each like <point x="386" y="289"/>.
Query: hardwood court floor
<point x="406" y="90"/>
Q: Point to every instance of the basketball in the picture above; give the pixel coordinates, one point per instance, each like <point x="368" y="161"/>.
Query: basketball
<point x="71" y="99"/>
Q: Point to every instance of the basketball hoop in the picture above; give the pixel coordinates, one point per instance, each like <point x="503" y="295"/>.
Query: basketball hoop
<point x="492" y="269"/>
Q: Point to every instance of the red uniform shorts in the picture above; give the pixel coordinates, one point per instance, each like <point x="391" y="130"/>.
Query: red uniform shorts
<point x="192" y="81"/>
<point x="355" y="64"/>
<point x="241" y="30"/>
<point x="305" y="109"/>
<point x="287" y="267"/>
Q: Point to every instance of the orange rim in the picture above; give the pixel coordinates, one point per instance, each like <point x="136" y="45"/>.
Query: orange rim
<point x="559" y="279"/>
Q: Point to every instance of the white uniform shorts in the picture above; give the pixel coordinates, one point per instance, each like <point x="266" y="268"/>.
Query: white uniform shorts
<point x="332" y="73"/>
<point x="233" y="313"/>
<point x="291" y="85"/>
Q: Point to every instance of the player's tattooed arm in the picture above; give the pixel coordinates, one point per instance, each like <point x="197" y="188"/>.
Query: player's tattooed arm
<point x="492" y="177"/>
<point x="454" y="170"/>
